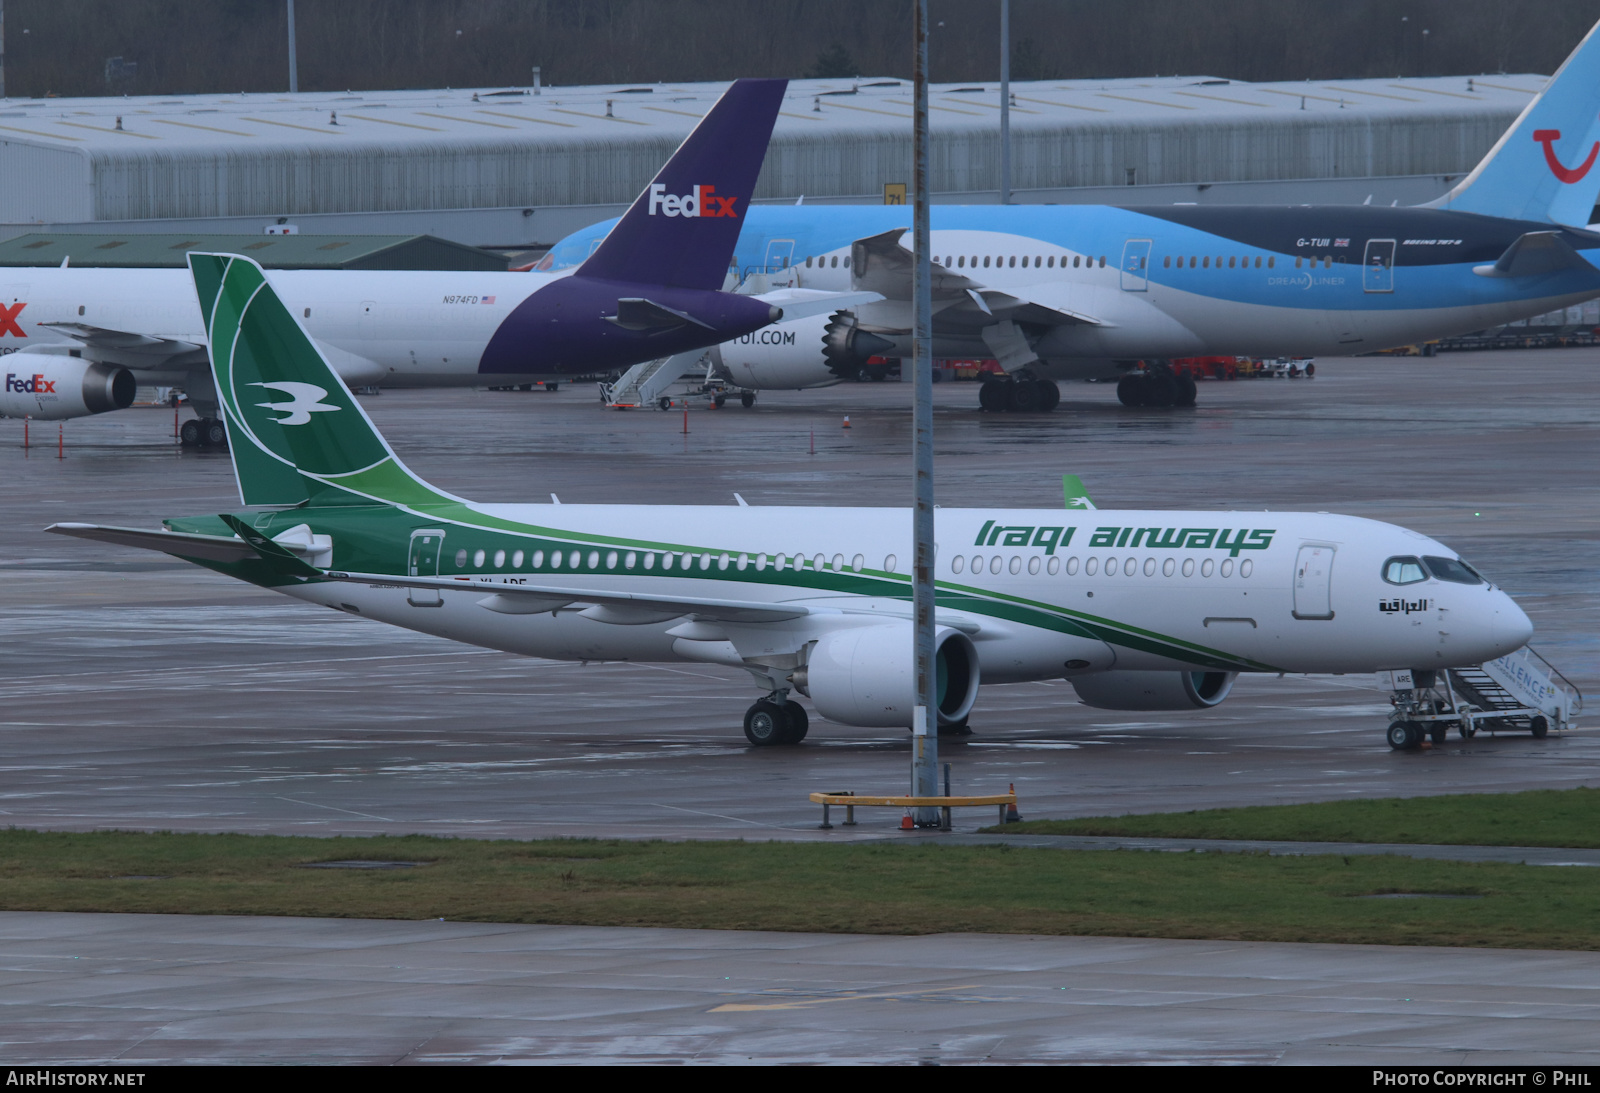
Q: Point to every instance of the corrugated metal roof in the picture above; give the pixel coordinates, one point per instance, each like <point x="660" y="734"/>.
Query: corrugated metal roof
<point x="229" y="155"/>
<point x="141" y="251"/>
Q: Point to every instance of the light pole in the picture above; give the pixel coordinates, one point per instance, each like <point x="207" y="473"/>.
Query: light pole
<point x="1005" y="102"/>
<point x="925" y="721"/>
<point x="294" y="68"/>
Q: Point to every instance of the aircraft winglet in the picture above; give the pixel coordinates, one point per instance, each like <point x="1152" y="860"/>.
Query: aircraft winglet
<point x="1073" y="491"/>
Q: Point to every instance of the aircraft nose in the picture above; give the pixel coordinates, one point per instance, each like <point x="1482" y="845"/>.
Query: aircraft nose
<point x="1511" y="627"/>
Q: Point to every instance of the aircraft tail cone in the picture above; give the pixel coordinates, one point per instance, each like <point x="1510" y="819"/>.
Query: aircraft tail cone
<point x="1012" y="815"/>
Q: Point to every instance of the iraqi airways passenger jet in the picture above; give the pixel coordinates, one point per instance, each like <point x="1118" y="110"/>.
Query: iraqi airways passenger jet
<point x="1064" y="291"/>
<point x="1140" y="610"/>
<point x="79" y="340"/>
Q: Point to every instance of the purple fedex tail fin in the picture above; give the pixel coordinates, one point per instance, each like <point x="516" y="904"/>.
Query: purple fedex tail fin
<point x="681" y="231"/>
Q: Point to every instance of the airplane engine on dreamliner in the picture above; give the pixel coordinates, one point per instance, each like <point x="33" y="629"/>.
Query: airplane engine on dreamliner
<point x="847" y="347"/>
<point x="784" y="356"/>
<point x="862" y="676"/>
<point x="1154" y="690"/>
<point x="50" y="386"/>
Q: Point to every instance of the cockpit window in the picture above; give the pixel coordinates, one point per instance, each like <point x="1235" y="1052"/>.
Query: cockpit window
<point x="1404" y="571"/>
<point x="1452" y="569"/>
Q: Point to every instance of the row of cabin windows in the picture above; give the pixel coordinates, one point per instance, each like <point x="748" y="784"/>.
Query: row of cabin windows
<point x="666" y="560"/>
<point x="611" y="559"/>
<point x="1193" y="261"/>
<point x="962" y="261"/>
<point x="1128" y="567"/>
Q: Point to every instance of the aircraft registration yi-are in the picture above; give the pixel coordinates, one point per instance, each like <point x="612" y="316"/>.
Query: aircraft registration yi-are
<point x="1138" y="609"/>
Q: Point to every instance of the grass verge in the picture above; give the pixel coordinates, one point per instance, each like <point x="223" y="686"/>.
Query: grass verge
<point x="868" y="888"/>
<point x="1541" y="817"/>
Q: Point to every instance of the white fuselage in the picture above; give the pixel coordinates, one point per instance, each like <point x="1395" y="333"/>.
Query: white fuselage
<point x="1244" y="591"/>
<point x="395" y="328"/>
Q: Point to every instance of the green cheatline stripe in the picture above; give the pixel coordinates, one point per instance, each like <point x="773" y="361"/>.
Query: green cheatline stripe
<point x="389" y="483"/>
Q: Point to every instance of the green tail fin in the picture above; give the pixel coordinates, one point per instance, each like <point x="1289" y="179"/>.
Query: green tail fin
<point x="296" y="433"/>
<point x="1073" y="491"/>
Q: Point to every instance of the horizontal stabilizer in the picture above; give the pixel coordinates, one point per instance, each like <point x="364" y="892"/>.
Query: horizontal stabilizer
<point x="210" y="548"/>
<point x="634" y="313"/>
<point x="1534" y="254"/>
<point x="544" y="595"/>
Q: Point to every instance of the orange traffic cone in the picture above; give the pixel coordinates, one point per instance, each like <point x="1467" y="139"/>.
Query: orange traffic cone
<point x="906" y="823"/>
<point x="1012" y="815"/>
<point x="846" y="421"/>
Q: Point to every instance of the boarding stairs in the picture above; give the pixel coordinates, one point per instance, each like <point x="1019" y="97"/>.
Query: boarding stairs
<point x="1519" y="692"/>
<point x="646" y="384"/>
<point x="1514" y="693"/>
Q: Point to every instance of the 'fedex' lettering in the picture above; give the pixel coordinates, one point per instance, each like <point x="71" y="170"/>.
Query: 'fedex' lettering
<point x="33" y="385"/>
<point x="704" y="202"/>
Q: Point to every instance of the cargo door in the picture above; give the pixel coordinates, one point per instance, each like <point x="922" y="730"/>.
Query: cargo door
<point x="424" y="562"/>
<point x="1313" y="582"/>
<point x="1135" y="265"/>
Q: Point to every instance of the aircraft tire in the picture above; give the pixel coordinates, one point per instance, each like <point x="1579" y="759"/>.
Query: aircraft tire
<point x="748" y="399"/>
<point x="796" y="723"/>
<point x="1130" y="390"/>
<point x="1051" y="395"/>
<point x="765" y="724"/>
<point x="1540" y="727"/>
<point x="1187" y="390"/>
<point x="1025" y="397"/>
<point x="216" y="434"/>
<point x="1160" y="389"/>
<point x="190" y="433"/>
<point x="993" y="396"/>
<point x="1405" y="735"/>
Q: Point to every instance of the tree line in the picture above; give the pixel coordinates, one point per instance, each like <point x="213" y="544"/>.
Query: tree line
<point x="98" y="47"/>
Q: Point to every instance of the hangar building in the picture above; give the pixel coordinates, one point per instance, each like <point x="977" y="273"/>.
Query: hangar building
<point x="517" y="166"/>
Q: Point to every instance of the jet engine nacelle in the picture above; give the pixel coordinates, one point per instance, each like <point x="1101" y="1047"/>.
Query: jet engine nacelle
<point x="1154" y="690"/>
<point x="862" y="676"/>
<point x="786" y="356"/>
<point x="49" y="387"/>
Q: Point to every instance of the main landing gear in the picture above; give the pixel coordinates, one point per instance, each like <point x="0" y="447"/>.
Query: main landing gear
<point x="1019" y="394"/>
<point x="1157" y="385"/>
<point x="204" y="432"/>
<point x="775" y="720"/>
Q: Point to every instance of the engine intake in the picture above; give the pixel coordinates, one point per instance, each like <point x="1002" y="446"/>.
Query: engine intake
<point x="1154" y="690"/>
<point x="862" y="676"/>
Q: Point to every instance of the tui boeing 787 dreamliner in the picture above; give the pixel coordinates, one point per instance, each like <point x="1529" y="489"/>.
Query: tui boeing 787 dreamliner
<point x="1077" y="291"/>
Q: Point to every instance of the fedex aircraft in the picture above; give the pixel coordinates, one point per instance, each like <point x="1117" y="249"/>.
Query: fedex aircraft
<point x="1140" y="610"/>
<point x="1069" y="291"/>
<point x="79" y="340"/>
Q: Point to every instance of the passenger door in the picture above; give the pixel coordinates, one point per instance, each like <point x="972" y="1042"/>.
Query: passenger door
<point x="1313" y="582"/>
<point x="1377" y="266"/>
<point x="1135" y="265"/>
<point x="424" y="562"/>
